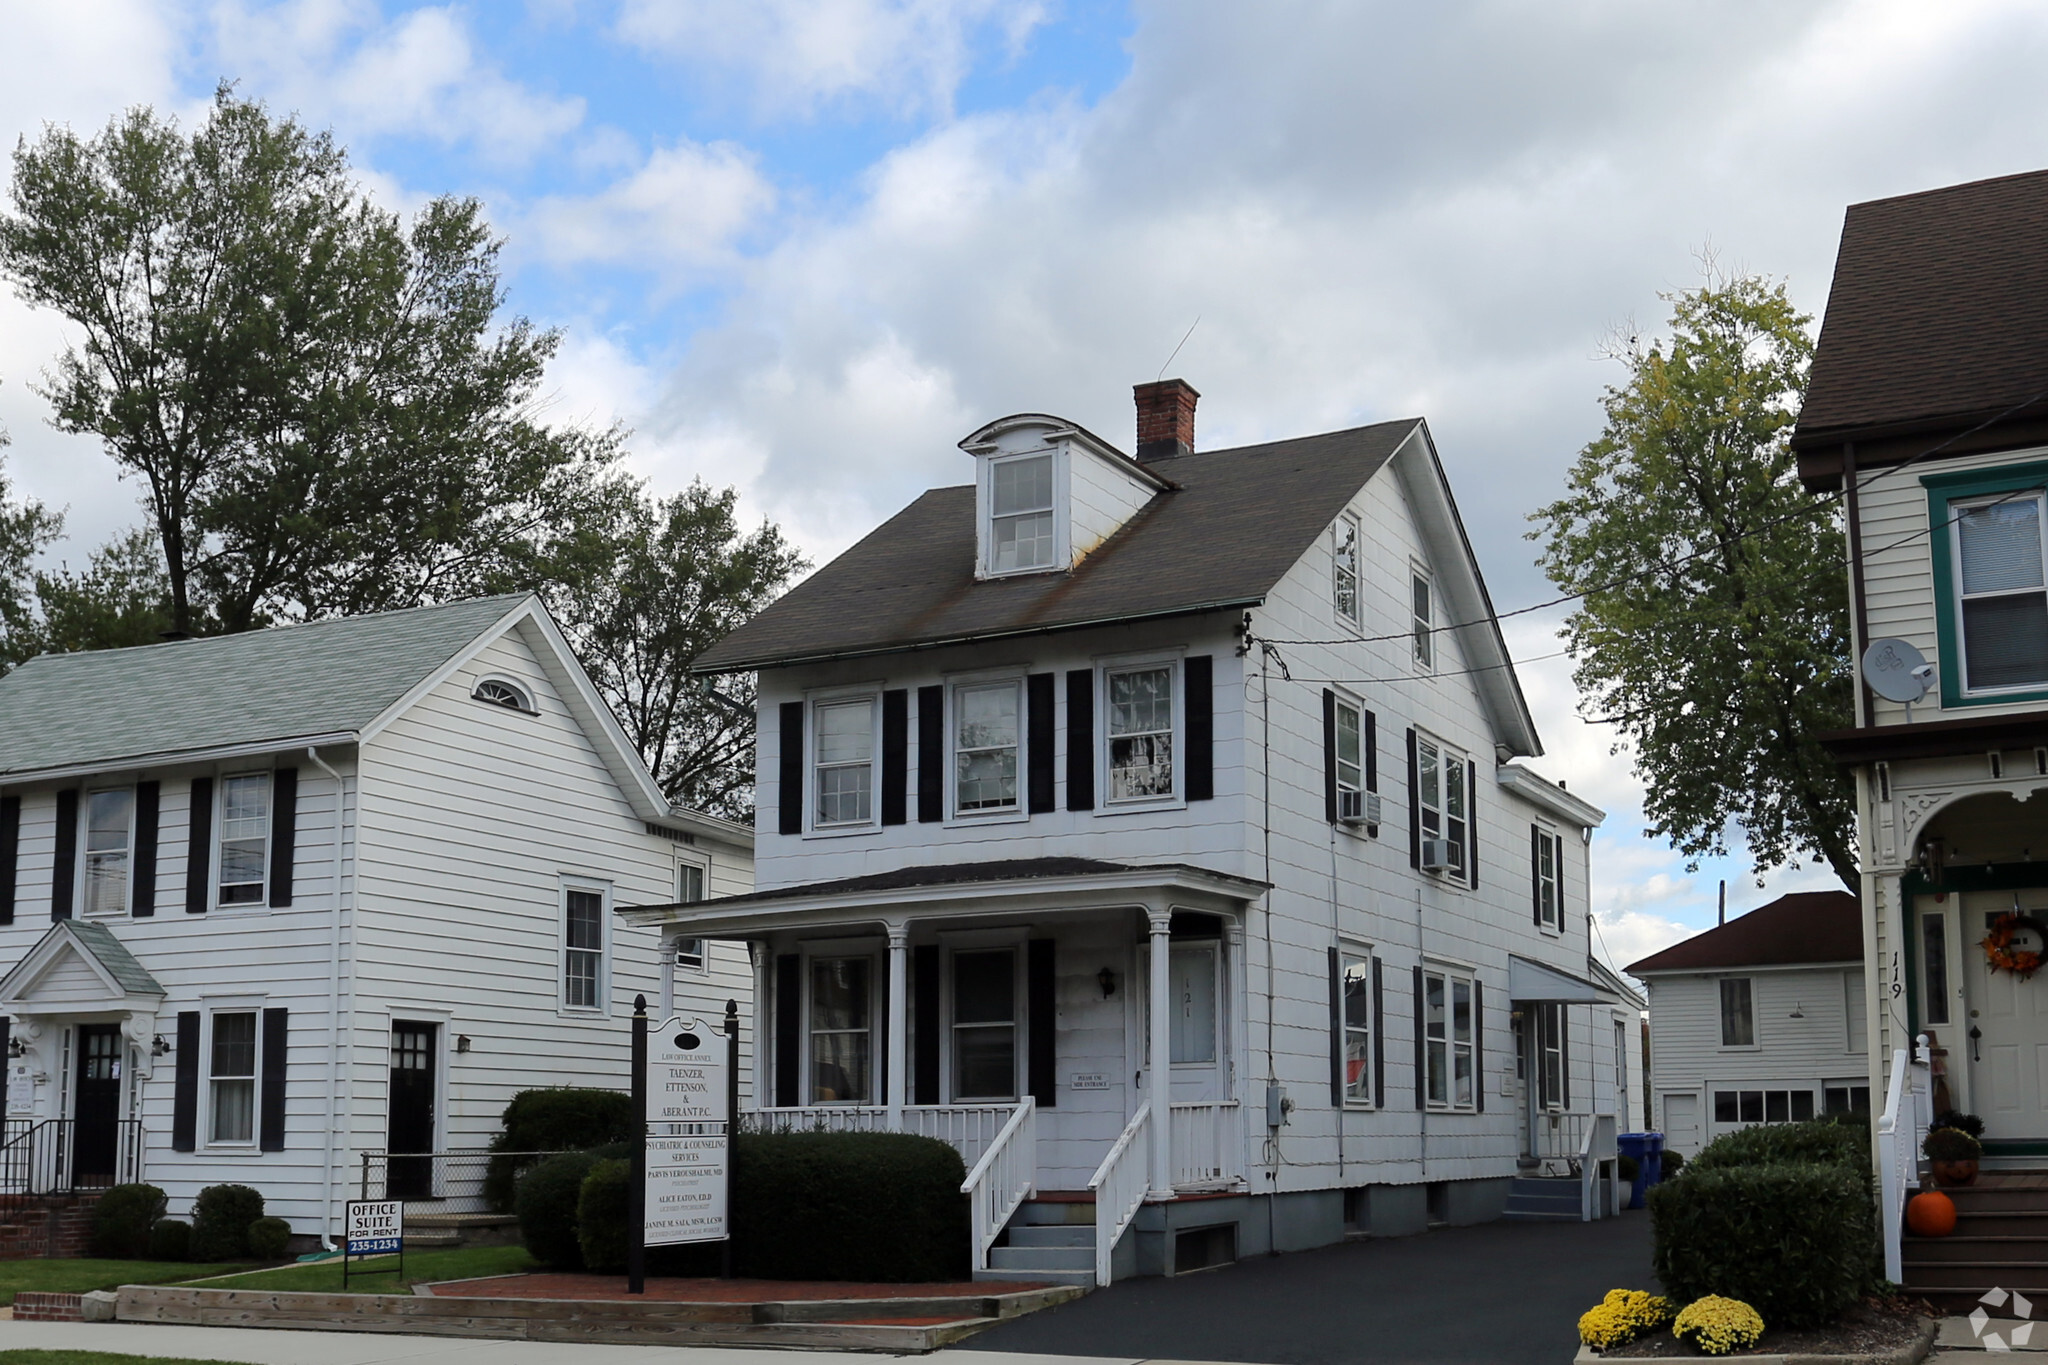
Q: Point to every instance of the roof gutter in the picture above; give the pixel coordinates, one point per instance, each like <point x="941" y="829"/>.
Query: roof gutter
<point x="166" y="757"/>
<point x="976" y="637"/>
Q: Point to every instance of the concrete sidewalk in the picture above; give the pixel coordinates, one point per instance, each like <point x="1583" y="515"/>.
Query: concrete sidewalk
<point x="248" y="1346"/>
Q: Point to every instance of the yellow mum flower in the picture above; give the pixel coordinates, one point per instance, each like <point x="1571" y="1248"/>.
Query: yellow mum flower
<point x="1716" y="1326"/>
<point x="1621" y="1317"/>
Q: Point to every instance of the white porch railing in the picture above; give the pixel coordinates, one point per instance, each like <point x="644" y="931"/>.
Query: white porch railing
<point x="1558" y="1136"/>
<point x="1119" y="1186"/>
<point x="1596" y="1150"/>
<point x="1207" y="1144"/>
<point x="970" y="1128"/>
<point x="1004" y="1177"/>
<point x="1900" y="1130"/>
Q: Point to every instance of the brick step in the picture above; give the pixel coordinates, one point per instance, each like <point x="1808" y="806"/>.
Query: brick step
<point x="2030" y="1277"/>
<point x="1997" y="1198"/>
<point x="2013" y="1250"/>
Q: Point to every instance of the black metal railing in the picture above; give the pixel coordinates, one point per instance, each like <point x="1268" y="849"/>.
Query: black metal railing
<point x="472" y="1180"/>
<point x="44" y="1157"/>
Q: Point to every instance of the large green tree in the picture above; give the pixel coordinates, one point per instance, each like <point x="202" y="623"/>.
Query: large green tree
<point x="321" y="405"/>
<point x="1712" y="627"/>
<point x="26" y="528"/>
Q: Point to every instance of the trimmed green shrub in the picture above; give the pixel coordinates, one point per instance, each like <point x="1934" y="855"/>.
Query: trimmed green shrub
<point x="220" y="1222"/>
<point x="545" y="1200"/>
<point x="602" y="1210"/>
<point x="849" y="1206"/>
<point x="1673" y="1163"/>
<point x="170" y="1240"/>
<point x="1818" y="1141"/>
<point x="268" y="1237"/>
<point x="1625" y="1166"/>
<point x="121" y="1220"/>
<point x="1795" y="1240"/>
<point x="560" y="1119"/>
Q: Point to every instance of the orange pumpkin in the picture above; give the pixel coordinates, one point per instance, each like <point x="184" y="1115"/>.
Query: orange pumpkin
<point x="1932" y="1214"/>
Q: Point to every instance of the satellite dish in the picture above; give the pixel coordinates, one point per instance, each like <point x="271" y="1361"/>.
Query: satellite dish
<point x="1896" y="671"/>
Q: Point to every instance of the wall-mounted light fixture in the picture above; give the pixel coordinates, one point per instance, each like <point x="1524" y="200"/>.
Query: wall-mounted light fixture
<point x="462" y="1042"/>
<point x="18" y="1047"/>
<point x="1107" y="980"/>
<point x="1798" y="1011"/>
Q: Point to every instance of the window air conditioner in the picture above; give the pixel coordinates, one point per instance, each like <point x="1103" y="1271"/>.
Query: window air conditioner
<point x="1439" y="855"/>
<point x="1358" y="808"/>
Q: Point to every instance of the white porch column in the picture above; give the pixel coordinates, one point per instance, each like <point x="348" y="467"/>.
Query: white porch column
<point x="1161" y="1062"/>
<point x="899" y="1021"/>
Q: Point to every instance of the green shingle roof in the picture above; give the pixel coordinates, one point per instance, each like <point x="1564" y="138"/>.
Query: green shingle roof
<point x="114" y="707"/>
<point x="99" y="940"/>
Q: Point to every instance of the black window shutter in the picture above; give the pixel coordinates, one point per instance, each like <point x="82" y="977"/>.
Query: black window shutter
<point x="185" y="1097"/>
<point x="6" y="1034"/>
<point x="1039" y="992"/>
<point x="284" y="834"/>
<point x="1081" y="739"/>
<point x="10" y="853"/>
<point x="896" y="756"/>
<point x="1564" y="1055"/>
<point x="1337" y="1039"/>
<point x="1379" y="1034"/>
<point x="1038" y="725"/>
<point x="65" y="870"/>
<point x="1329" y="756"/>
<point x="924" y="1033"/>
<point x="1479" y="1044"/>
<point x="199" y="850"/>
<point x="1199" y="674"/>
<point x="789" y="770"/>
<point x="1471" y="819"/>
<point x="788" y="1026"/>
<point x="1414" y="805"/>
<point x="142" y="892"/>
<point x="1370" y="740"/>
<point x="1536" y="871"/>
<point x="271" y="1120"/>
<point x="1421" y="1079"/>
<point x="931" y="755"/>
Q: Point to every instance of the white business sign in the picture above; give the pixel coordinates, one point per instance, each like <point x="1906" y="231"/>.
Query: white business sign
<point x="375" y="1226"/>
<point x="688" y="1149"/>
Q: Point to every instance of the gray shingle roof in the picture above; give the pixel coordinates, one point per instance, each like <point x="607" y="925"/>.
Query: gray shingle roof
<point x="99" y="940"/>
<point x="1237" y="521"/>
<point x="153" y="702"/>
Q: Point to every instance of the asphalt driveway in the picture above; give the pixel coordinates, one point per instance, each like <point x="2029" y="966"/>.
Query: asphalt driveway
<point x="1502" y="1293"/>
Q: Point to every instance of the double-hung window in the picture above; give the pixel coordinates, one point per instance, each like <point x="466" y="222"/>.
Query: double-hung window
<point x="1448" y="1039"/>
<point x="231" y="1078"/>
<point x="1738" y="1014"/>
<point x="845" y="748"/>
<point x="691" y="955"/>
<point x="244" y="837"/>
<point x="1547" y="853"/>
<point x="109" y="825"/>
<point x="842" y="1030"/>
<point x="1550" y="1021"/>
<point x="1355" y="983"/>
<point x="1350" y="758"/>
<point x="1441" y="800"/>
<point x="1423" y="626"/>
<point x="1140" y="733"/>
<point x="2001" y="591"/>
<point x="988" y="736"/>
<point x="1344" y="569"/>
<point x="582" y="948"/>
<point x="1021" y="534"/>
<point x="985" y="1024"/>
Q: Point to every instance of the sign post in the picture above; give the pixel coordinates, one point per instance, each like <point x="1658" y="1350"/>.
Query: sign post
<point x="687" y="1082"/>
<point x="373" y="1227"/>
<point x="636" y="1184"/>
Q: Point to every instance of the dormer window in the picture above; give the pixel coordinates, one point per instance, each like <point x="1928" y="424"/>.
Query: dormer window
<point x="1022" y="536"/>
<point x="498" y="692"/>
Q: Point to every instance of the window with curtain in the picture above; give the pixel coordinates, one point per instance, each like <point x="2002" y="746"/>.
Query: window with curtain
<point x="1934" y="965"/>
<point x="1140" y="733"/>
<point x="1738" y="1017"/>
<point x="231" y="1078"/>
<point x="987" y="737"/>
<point x="1344" y="569"/>
<point x="1356" y="983"/>
<point x="1350" y="754"/>
<point x="2001" y="591"/>
<point x="244" y="838"/>
<point x="1440" y="772"/>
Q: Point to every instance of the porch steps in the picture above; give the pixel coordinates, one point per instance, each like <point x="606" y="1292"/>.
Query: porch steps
<point x="1051" y="1240"/>
<point x="1543" y="1199"/>
<point x="2000" y="1241"/>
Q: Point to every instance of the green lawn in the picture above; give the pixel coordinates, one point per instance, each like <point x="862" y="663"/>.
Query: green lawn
<point x="66" y="1275"/>
<point x="95" y="1358"/>
<point x="458" y="1263"/>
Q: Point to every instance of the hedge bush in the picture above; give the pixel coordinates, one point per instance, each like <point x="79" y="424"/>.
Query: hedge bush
<point x="268" y="1238"/>
<point x="220" y="1222"/>
<point x="1819" y="1141"/>
<point x="170" y="1240"/>
<point x="545" y="1200"/>
<point x="1794" y="1239"/>
<point x="121" y="1219"/>
<point x="602" y="1224"/>
<point x="849" y="1206"/>
<point x="560" y="1119"/>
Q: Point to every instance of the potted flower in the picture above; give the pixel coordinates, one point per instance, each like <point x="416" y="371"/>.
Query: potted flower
<point x="1955" y="1155"/>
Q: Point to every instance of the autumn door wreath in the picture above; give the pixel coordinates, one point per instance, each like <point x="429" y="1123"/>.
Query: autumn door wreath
<point x="2015" y="944"/>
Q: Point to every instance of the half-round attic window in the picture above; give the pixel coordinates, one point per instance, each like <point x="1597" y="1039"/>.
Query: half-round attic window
<point x="498" y="692"/>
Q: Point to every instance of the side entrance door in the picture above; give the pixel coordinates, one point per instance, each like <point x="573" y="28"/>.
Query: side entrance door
<point x="96" y="1114"/>
<point x="413" y="1054"/>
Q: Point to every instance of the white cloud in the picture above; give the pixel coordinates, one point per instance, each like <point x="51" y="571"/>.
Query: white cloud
<point x="681" y="210"/>
<point x="794" y="56"/>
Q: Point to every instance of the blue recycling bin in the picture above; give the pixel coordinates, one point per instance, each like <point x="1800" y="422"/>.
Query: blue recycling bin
<point x="1654" y="1170"/>
<point x="1647" y="1151"/>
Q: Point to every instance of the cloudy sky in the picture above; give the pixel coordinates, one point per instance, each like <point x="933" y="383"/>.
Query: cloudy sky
<point x="803" y="246"/>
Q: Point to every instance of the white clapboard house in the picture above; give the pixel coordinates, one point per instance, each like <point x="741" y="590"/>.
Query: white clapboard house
<point x="1763" y="1019"/>
<point x="272" y="901"/>
<point x="1051" y="867"/>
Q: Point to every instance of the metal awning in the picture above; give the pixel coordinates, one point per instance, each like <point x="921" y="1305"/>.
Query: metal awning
<point x="1534" y="983"/>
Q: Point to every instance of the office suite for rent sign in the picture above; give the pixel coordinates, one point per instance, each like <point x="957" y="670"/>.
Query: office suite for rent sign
<point x="689" y="1140"/>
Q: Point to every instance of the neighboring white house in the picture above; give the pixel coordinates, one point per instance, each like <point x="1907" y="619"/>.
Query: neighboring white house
<point x="1155" y="824"/>
<point x="271" y="901"/>
<point x="1760" y="1020"/>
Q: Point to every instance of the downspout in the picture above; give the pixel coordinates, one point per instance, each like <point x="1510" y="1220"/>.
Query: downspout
<point x="333" y="1005"/>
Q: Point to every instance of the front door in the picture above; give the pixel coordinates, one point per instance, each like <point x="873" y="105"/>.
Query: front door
<point x="2005" y="1037"/>
<point x="412" y="1110"/>
<point x="96" y="1114"/>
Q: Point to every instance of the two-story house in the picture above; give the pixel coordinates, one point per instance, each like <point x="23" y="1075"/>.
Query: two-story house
<point x="1151" y="828"/>
<point x="273" y="901"/>
<point x="1927" y="412"/>
<point x="1763" y="1019"/>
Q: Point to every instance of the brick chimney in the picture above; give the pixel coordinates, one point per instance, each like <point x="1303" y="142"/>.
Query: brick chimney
<point x="1166" y="419"/>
